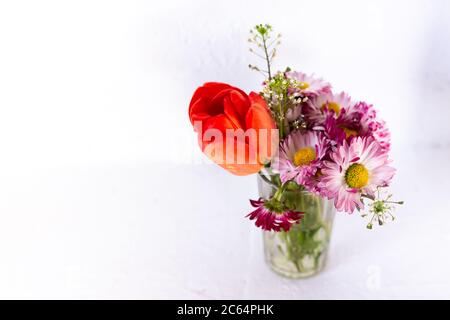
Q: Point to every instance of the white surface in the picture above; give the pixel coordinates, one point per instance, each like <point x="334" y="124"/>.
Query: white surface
<point x="104" y="194"/>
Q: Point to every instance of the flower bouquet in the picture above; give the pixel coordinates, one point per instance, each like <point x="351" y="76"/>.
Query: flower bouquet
<point x="315" y="152"/>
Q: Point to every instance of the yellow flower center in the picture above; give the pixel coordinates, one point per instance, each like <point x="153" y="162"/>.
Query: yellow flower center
<point x="303" y="85"/>
<point x="349" y="132"/>
<point x="332" y="106"/>
<point x="356" y="176"/>
<point x="304" y="156"/>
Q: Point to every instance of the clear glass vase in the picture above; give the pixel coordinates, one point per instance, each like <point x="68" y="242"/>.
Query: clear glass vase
<point x="302" y="251"/>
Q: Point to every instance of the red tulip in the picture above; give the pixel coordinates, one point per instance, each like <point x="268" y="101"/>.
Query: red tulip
<point x="235" y="130"/>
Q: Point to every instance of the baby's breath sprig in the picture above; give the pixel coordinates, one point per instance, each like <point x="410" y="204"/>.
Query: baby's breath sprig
<point x="266" y="47"/>
<point x="275" y="92"/>
<point x="280" y="98"/>
<point x="380" y="209"/>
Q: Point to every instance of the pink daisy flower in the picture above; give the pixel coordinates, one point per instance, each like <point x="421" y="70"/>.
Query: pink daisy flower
<point x="268" y="219"/>
<point x="360" y="120"/>
<point x="299" y="158"/>
<point x="327" y="104"/>
<point x="307" y="85"/>
<point x="357" y="168"/>
<point x="371" y="125"/>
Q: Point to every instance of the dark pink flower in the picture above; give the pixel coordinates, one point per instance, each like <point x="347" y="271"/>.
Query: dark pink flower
<point x="270" y="220"/>
<point x="359" y="121"/>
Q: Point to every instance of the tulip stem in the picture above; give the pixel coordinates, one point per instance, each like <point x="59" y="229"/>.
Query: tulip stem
<point x="263" y="176"/>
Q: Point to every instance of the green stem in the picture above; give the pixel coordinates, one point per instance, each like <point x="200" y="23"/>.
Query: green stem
<point x="279" y="193"/>
<point x="300" y="241"/>
<point x="267" y="57"/>
<point x="262" y="175"/>
<point x="297" y="265"/>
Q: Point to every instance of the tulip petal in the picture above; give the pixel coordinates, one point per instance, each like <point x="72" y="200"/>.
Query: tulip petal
<point x="201" y="105"/>
<point x="259" y="117"/>
<point x="230" y="152"/>
<point x="230" y="111"/>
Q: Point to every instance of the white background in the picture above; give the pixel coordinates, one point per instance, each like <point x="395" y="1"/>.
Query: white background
<point x="104" y="194"/>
